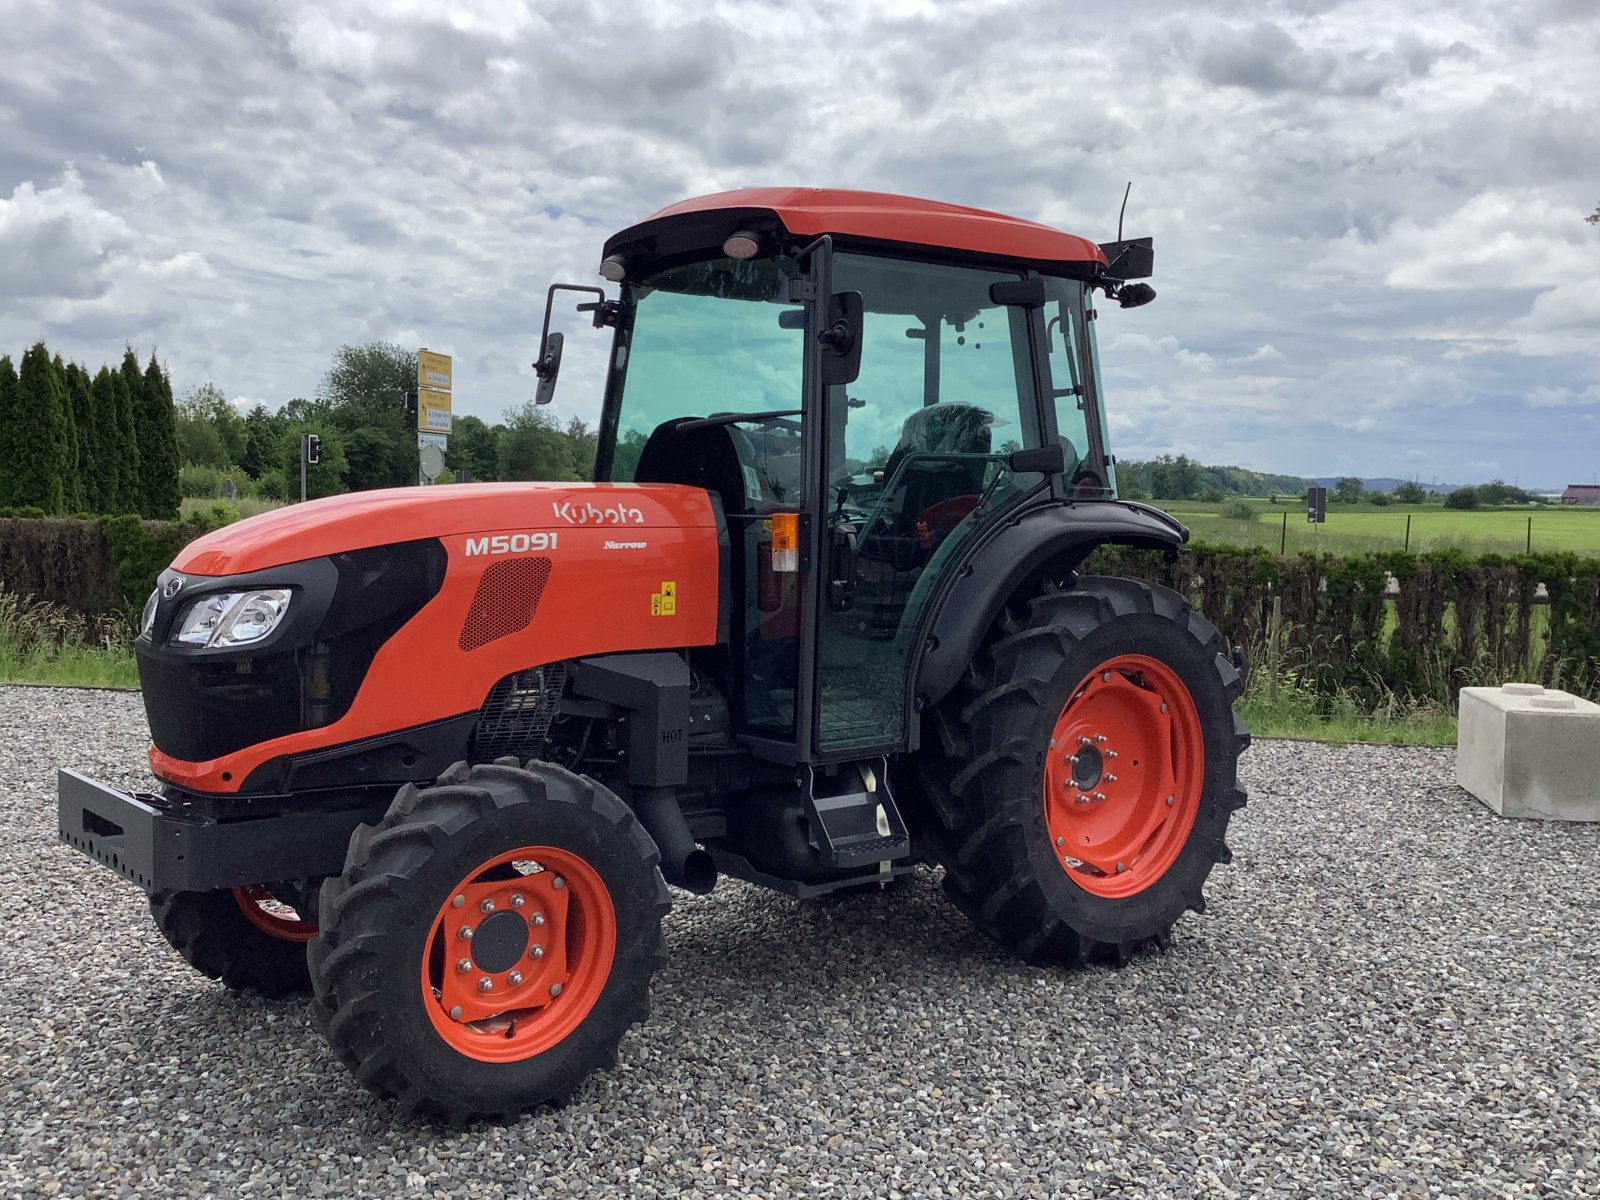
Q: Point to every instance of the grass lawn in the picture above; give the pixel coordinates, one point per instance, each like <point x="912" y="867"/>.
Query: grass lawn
<point x="1359" y="527"/>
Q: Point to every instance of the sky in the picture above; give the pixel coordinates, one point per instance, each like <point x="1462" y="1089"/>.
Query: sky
<point x="1371" y="256"/>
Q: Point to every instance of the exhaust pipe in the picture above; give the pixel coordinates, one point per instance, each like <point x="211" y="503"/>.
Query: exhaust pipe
<point x="683" y="864"/>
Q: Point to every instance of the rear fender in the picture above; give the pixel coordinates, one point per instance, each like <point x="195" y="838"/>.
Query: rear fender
<point x="1047" y="540"/>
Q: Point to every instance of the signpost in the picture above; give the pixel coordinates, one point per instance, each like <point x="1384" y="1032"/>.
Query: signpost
<point x="434" y="378"/>
<point x="1316" y="506"/>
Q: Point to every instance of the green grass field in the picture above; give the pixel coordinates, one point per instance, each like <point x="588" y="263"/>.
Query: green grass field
<point x="1360" y="527"/>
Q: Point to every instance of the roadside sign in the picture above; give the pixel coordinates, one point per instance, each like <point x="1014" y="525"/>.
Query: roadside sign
<point x="433" y="370"/>
<point x="432" y="439"/>
<point x="432" y="462"/>
<point x="433" y="410"/>
<point x="1316" y="505"/>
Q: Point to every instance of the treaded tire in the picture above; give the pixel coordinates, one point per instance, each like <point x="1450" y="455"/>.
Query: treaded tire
<point x="982" y="773"/>
<point x="215" y="938"/>
<point x="377" y="916"/>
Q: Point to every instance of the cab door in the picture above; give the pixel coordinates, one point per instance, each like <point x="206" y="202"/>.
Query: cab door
<point x="915" y="463"/>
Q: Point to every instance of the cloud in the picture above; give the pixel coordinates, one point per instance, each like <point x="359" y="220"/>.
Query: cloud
<point x="1365" y="216"/>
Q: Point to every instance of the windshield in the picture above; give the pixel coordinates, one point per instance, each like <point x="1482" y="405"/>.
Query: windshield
<point x="706" y="339"/>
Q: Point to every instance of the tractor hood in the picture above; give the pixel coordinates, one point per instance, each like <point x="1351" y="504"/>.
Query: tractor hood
<point x="342" y="523"/>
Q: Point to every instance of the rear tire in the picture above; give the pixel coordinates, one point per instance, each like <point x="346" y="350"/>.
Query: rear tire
<point x="1112" y="662"/>
<point x="567" y="950"/>
<point x="228" y="935"/>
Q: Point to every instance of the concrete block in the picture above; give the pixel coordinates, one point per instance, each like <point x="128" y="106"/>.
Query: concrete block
<point x="1529" y="752"/>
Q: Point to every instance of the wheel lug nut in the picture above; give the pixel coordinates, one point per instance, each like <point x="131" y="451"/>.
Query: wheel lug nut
<point x="555" y="989"/>
<point x="1099" y="795"/>
<point x="1073" y="759"/>
<point x="514" y="978"/>
<point x="538" y="919"/>
<point x="536" y="951"/>
<point x="558" y="883"/>
<point x="487" y="906"/>
<point x="1100" y="739"/>
<point x="465" y="933"/>
<point x="517" y="901"/>
<point x="1082" y="741"/>
<point x="1109" y="777"/>
<point x="485" y="984"/>
<point x="463" y="965"/>
<point x="1111" y="753"/>
<point x="458" y="901"/>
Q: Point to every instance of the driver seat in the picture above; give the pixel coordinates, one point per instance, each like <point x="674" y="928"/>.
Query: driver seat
<point x="708" y="457"/>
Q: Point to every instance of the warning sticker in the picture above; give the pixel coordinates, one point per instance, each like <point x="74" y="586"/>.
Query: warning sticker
<point x="665" y="602"/>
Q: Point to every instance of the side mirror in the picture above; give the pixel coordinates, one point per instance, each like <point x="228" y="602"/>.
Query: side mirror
<point x="840" y="337"/>
<point x="1132" y="295"/>
<point x="547" y="368"/>
<point x="1050" y="459"/>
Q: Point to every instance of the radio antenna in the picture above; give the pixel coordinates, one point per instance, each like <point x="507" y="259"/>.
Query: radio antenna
<point x="1124" y="208"/>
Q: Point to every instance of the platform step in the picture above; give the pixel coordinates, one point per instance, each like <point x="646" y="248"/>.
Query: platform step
<point x="856" y="827"/>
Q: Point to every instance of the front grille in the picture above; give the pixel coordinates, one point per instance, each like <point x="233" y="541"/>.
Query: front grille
<point x="516" y="717"/>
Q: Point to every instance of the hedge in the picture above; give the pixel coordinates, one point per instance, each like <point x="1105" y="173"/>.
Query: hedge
<point x="1456" y="620"/>
<point x="95" y="566"/>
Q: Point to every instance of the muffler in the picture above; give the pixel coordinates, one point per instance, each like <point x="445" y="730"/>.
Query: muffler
<point x="683" y="864"/>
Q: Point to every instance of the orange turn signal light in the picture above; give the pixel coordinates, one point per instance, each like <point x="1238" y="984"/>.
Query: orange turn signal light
<point x="786" y="541"/>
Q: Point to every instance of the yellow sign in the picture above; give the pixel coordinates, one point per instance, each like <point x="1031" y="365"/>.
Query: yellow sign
<point x="665" y="602"/>
<point x="433" y="370"/>
<point x="433" y="411"/>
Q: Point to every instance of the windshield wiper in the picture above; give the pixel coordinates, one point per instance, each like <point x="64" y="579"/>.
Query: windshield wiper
<point x="735" y="418"/>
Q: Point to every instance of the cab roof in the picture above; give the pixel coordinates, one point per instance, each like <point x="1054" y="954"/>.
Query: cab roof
<point x="870" y="216"/>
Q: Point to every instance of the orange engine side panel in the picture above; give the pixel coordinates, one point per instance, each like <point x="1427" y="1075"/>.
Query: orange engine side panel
<point x="628" y="569"/>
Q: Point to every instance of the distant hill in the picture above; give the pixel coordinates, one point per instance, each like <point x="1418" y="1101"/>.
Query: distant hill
<point x="1386" y="483"/>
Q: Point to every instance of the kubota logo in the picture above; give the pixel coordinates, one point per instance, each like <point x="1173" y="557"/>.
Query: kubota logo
<point x="589" y="514"/>
<point x="510" y="543"/>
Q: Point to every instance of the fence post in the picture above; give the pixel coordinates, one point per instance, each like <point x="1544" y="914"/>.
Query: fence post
<point x="1530" y="535"/>
<point x="1283" y="538"/>
<point x="1274" y="631"/>
<point x="1408" y="531"/>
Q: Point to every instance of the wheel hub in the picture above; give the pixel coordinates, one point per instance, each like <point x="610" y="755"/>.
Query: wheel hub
<point x="499" y="942"/>
<point x="1087" y="765"/>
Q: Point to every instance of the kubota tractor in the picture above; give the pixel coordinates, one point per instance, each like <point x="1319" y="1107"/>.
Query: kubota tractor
<point x="435" y="753"/>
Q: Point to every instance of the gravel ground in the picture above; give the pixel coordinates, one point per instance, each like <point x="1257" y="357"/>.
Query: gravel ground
<point x="1393" y="993"/>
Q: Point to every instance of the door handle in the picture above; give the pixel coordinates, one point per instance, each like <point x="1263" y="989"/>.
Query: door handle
<point x="842" y="567"/>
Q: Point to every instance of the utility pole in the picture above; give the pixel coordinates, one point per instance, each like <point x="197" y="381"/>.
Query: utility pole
<point x="310" y="452"/>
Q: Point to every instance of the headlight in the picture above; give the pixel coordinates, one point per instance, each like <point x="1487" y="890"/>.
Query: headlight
<point x="149" y="618"/>
<point x="231" y="618"/>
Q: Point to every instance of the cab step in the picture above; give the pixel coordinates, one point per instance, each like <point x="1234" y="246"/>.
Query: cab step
<point x="860" y="824"/>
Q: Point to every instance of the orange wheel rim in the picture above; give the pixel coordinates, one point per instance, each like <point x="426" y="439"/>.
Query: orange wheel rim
<point x="518" y="954"/>
<point x="1123" y="777"/>
<point x="271" y="915"/>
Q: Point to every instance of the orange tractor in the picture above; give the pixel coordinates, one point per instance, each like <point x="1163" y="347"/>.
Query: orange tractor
<point x="435" y="754"/>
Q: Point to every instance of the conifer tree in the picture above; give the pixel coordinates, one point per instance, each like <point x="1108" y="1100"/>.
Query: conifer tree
<point x="71" y="475"/>
<point x="158" y="446"/>
<point x="88" y="464"/>
<point x="127" y="440"/>
<point x="9" y="415"/>
<point x="138" y="500"/>
<point x="109" y="447"/>
<point x="39" y="437"/>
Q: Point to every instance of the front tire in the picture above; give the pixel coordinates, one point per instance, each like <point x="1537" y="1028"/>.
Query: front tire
<point x="1084" y="773"/>
<point x="241" y="936"/>
<point x="490" y="941"/>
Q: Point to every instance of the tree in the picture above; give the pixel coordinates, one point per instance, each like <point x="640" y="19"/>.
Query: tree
<point x="72" y="479"/>
<point x="262" y="433"/>
<point x="210" y="430"/>
<point x="1594" y="217"/>
<point x="364" y="392"/>
<point x="90" y="473"/>
<point x="158" y="446"/>
<point x="126" y="388"/>
<point x="1409" y="492"/>
<point x="534" y="446"/>
<point x="41" y="449"/>
<point x="10" y="415"/>
<point x="1174" y="478"/>
<point x="325" y="477"/>
<point x="472" y="449"/>
<point x="585" y="442"/>
<point x="1380" y="499"/>
<point x="1462" y="498"/>
<point x="1348" y="490"/>
<point x="109" y="448"/>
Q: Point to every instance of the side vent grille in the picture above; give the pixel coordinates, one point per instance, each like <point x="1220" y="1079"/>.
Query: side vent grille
<point x="507" y="597"/>
<point x="516" y="717"/>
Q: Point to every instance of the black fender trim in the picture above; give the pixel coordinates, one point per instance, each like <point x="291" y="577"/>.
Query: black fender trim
<point x="1054" y="536"/>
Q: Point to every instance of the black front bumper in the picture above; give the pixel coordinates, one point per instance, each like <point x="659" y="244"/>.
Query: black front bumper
<point x="164" y="845"/>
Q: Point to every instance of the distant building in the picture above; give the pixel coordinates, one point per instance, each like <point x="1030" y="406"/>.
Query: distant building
<point x="1581" y="493"/>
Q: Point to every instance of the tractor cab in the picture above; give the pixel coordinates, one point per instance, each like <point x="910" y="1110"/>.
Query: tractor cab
<point x="857" y="379"/>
